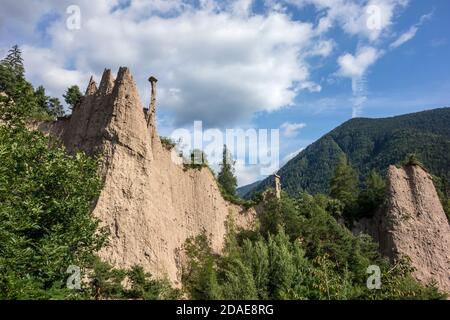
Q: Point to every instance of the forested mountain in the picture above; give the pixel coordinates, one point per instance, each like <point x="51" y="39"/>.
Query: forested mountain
<point x="242" y="191"/>
<point x="370" y="144"/>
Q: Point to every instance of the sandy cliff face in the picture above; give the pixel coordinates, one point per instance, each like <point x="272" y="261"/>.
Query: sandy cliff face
<point x="149" y="203"/>
<point x="414" y="224"/>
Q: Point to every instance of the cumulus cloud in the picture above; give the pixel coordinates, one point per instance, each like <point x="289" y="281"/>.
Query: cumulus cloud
<point x="354" y="66"/>
<point x="371" y="22"/>
<point x="367" y="19"/>
<point x="290" y="130"/>
<point x="40" y="66"/>
<point x="217" y="63"/>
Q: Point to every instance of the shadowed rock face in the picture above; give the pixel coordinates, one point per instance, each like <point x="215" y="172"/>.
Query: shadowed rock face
<point x="149" y="203"/>
<point x="414" y="224"/>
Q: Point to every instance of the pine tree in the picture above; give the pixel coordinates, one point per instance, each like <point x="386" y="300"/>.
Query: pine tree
<point x="15" y="62"/>
<point x="73" y="96"/>
<point x="41" y="98"/>
<point x="344" y="184"/>
<point x="11" y="72"/>
<point x="55" y="109"/>
<point x="226" y="177"/>
<point x="48" y="105"/>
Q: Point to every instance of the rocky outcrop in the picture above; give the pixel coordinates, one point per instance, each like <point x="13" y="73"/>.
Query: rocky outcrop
<point x="149" y="203"/>
<point x="413" y="224"/>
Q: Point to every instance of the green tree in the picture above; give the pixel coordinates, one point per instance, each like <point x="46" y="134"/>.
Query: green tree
<point x="14" y="87"/>
<point x="373" y="194"/>
<point x="14" y="61"/>
<point x="41" y="98"/>
<point x="106" y="282"/>
<point x="344" y="184"/>
<point x="200" y="277"/>
<point x="226" y="177"/>
<point x="412" y="160"/>
<point x="55" y="108"/>
<point x="73" y="96"/>
<point x="16" y="90"/>
<point x="45" y="205"/>
<point x="317" y="258"/>
<point x="48" y="105"/>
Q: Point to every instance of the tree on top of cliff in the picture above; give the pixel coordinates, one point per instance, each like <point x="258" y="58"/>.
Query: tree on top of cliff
<point x="73" y="96"/>
<point x="48" y="105"/>
<point x="226" y="177"/>
<point x="372" y="195"/>
<point x="413" y="160"/>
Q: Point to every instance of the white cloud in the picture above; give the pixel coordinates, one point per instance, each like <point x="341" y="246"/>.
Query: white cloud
<point x="411" y="33"/>
<point x="248" y="174"/>
<point x="39" y="65"/>
<point x="405" y="37"/>
<point x="291" y="129"/>
<point x="219" y="63"/>
<point x="322" y="48"/>
<point x="368" y="19"/>
<point x="353" y="66"/>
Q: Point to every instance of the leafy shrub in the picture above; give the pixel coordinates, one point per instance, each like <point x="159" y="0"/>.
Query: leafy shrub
<point x="106" y="282"/>
<point x="168" y="143"/>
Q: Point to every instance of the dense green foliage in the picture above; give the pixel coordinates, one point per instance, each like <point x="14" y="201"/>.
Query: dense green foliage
<point x="50" y="105"/>
<point x="443" y="189"/>
<point x="226" y="177"/>
<point x="299" y="252"/>
<point x="14" y="61"/>
<point x="246" y="191"/>
<point x="370" y="144"/>
<point x="344" y="184"/>
<point x="29" y="103"/>
<point x="73" y="96"/>
<point x="372" y="195"/>
<point x="45" y="222"/>
<point x="106" y="282"/>
<point x="356" y="202"/>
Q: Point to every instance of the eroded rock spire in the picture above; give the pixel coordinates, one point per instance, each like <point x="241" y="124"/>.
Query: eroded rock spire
<point x="91" y="88"/>
<point x="151" y="121"/>
<point x="107" y="82"/>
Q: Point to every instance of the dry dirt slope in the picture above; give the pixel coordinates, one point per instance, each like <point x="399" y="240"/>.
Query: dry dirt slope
<point x="413" y="224"/>
<point x="149" y="203"/>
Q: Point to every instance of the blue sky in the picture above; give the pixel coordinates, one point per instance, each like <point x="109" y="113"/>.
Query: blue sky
<point x="304" y="66"/>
